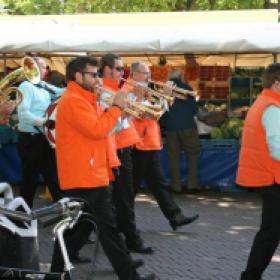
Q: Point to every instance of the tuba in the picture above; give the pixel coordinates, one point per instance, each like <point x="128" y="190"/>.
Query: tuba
<point x="30" y="71"/>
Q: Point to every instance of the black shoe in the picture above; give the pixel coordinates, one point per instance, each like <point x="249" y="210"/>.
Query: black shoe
<point x="141" y="248"/>
<point x="136" y="263"/>
<point x="181" y="220"/>
<point x="150" y="276"/>
<point x="77" y="259"/>
<point x="91" y="241"/>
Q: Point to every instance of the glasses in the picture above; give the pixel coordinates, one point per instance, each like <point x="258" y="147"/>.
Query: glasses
<point x="119" y="68"/>
<point x="92" y="74"/>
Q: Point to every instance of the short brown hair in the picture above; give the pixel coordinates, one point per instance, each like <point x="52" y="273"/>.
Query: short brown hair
<point x="270" y="75"/>
<point x="78" y="64"/>
<point x="108" y="60"/>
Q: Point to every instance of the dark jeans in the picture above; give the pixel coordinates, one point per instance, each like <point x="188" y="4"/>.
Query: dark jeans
<point x="186" y="140"/>
<point x="37" y="157"/>
<point x="267" y="239"/>
<point x="123" y="198"/>
<point x="147" y="166"/>
<point x="111" y="241"/>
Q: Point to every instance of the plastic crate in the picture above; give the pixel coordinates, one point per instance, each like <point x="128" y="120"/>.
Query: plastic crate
<point x="219" y="143"/>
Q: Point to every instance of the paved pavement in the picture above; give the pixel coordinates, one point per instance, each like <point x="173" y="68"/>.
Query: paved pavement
<point x="215" y="247"/>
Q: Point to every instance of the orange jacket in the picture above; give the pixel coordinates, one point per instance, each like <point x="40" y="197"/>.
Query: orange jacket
<point x="256" y="168"/>
<point x="111" y="141"/>
<point x="127" y="137"/>
<point x="149" y="133"/>
<point x="81" y="139"/>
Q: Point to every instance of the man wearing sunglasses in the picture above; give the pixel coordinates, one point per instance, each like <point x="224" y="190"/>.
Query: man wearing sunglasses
<point x="82" y="128"/>
<point x="111" y="71"/>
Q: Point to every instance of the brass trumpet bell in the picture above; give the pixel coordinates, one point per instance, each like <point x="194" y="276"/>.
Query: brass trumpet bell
<point x="177" y="92"/>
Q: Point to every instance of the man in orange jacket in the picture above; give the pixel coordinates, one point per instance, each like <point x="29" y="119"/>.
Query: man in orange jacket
<point x="82" y="161"/>
<point x="259" y="167"/>
<point x="111" y="70"/>
<point x="146" y="159"/>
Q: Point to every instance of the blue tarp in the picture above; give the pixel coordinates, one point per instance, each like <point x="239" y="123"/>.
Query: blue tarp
<point x="10" y="166"/>
<point x="217" y="166"/>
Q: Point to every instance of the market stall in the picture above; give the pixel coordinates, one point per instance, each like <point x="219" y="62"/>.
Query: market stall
<point x="219" y="42"/>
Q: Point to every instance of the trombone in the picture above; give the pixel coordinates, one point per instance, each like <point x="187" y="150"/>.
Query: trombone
<point x="135" y="109"/>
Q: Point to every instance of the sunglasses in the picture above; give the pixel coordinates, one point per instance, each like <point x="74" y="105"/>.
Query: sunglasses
<point x="119" y="68"/>
<point x="92" y="74"/>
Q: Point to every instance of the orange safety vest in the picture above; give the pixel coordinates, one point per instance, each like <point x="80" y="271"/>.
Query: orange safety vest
<point x="81" y="139"/>
<point x="256" y="167"/>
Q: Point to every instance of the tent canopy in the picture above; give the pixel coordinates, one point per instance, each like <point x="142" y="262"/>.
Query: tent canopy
<point x="184" y="32"/>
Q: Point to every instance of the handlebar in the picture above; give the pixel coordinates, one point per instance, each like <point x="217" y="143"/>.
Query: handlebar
<point x="63" y="206"/>
<point x="56" y="208"/>
<point x="16" y="215"/>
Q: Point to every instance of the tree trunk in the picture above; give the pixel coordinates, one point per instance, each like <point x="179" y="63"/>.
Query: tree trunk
<point x="189" y="4"/>
<point x="266" y="4"/>
<point x="212" y="4"/>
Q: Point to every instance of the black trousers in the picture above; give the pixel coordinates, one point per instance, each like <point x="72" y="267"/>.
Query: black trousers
<point x="267" y="239"/>
<point x="111" y="241"/>
<point x="147" y="166"/>
<point x="37" y="157"/>
<point x="123" y="198"/>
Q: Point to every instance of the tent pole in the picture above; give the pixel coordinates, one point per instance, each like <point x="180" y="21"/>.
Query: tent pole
<point x="274" y="57"/>
<point x="5" y="65"/>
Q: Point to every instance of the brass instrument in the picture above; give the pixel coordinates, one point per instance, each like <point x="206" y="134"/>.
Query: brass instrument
<point x="135" y="108"/>
<point x="29" y="70"/>
<point x="154" y="93"/>
<point x="178" y="92"/>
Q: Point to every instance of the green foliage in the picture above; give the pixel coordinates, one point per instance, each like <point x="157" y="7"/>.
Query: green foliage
<point x="42" y="7"/>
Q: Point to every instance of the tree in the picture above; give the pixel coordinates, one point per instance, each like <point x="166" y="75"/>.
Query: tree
<point x="106" y="6"/>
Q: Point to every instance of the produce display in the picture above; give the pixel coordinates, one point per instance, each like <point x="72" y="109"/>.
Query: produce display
<point x="230" y="129"/>
<point x="225" y="125"/>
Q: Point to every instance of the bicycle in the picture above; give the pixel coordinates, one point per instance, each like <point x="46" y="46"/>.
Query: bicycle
<point x="72" y="212"/>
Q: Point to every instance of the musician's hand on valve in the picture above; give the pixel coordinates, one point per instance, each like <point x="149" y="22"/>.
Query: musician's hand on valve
<point x="168" y="88"/>
<point x="140" y="92"/>
<point x="120" y="100"/>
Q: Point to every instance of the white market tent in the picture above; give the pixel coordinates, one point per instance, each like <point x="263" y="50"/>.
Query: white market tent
<point x="226" y="34"/>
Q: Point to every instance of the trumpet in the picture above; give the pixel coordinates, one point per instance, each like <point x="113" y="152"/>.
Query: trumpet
<point x="178" y="92"/>
<point x="135" y="109"/>
<point x="153" y="92"/>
